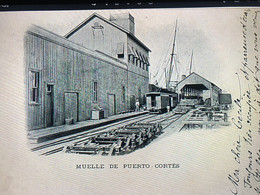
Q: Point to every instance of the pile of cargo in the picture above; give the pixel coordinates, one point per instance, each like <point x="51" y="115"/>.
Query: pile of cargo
<point x="181" y="109"/>
<point x="206" y="117"/>
<point x="118" y="141"/>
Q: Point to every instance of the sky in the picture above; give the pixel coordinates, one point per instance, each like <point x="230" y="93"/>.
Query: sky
<point x="211" y="33"/>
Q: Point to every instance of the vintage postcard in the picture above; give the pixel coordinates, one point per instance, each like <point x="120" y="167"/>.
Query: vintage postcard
<point x="130" y="101"/>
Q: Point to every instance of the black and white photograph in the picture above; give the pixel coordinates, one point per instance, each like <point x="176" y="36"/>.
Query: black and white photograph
<point x="130" y="101"/>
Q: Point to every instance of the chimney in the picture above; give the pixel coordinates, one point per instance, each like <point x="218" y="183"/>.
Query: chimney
<point x="124" y="20"/>
<point x="183" y="77"/>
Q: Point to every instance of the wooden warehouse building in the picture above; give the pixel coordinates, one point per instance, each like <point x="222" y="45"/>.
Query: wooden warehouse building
<point x="99" y="64"/>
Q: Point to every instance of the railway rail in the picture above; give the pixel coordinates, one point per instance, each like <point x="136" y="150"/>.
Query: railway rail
<point x="82" y="135"/>
<point x="55" y="146"/>
<point x="68" y="139"/>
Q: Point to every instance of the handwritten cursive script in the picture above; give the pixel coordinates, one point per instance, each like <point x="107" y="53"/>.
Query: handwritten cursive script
<point x="246" y="174"/>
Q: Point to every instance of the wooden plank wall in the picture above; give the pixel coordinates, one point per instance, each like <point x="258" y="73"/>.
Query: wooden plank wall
<point x="70" y="71"/>
<point x="34" y="60"/>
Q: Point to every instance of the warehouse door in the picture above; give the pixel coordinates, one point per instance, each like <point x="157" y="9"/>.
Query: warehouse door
<point x="71" y="106"/>
<point x="49" y="106"/>
<point x="132" y="102"/>
<point x="111" y="104"/>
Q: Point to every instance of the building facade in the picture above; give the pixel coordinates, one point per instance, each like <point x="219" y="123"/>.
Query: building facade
<point x="99" y="64"/>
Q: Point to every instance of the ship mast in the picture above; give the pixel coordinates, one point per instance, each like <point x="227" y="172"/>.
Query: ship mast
<point x="165" y="74"/>
<point x="191" y="62"/>
<point x="168" y="80"/>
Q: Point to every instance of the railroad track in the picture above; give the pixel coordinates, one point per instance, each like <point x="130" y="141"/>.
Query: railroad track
<point x="86" y="135"/>
<point x="53" y="151"/>
<point x="177" y="116"/>
<point x="58" y="145"/>
<point x="145" y="120"/>
<point x="162" y="120"/>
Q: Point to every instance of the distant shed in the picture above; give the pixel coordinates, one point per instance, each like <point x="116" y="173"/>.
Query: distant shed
<point x="192" y="87"/>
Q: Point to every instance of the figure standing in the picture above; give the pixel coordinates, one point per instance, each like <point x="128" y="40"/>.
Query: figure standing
<point x="137" y="105"/>
<point x="168" y="108"/>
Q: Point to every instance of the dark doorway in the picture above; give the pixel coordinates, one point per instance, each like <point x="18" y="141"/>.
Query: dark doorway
<point x="71" y="106"/>
<point x="111" y="104"/>
<point x="49" y="105"/>
<point x="132" y="102"/>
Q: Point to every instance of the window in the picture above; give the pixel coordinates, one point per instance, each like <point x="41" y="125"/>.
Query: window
<point x="120" y="50"/>
<point x="34" y="86"/>
<point x="97" y="26"/>
<point x="147" y="63"/>
<point x="123" y="93"/>
<point x="142" y="65"/>
<point x="137" y="62"/>
<point x="49" y="88"/>
<point x="94" y="91"/>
